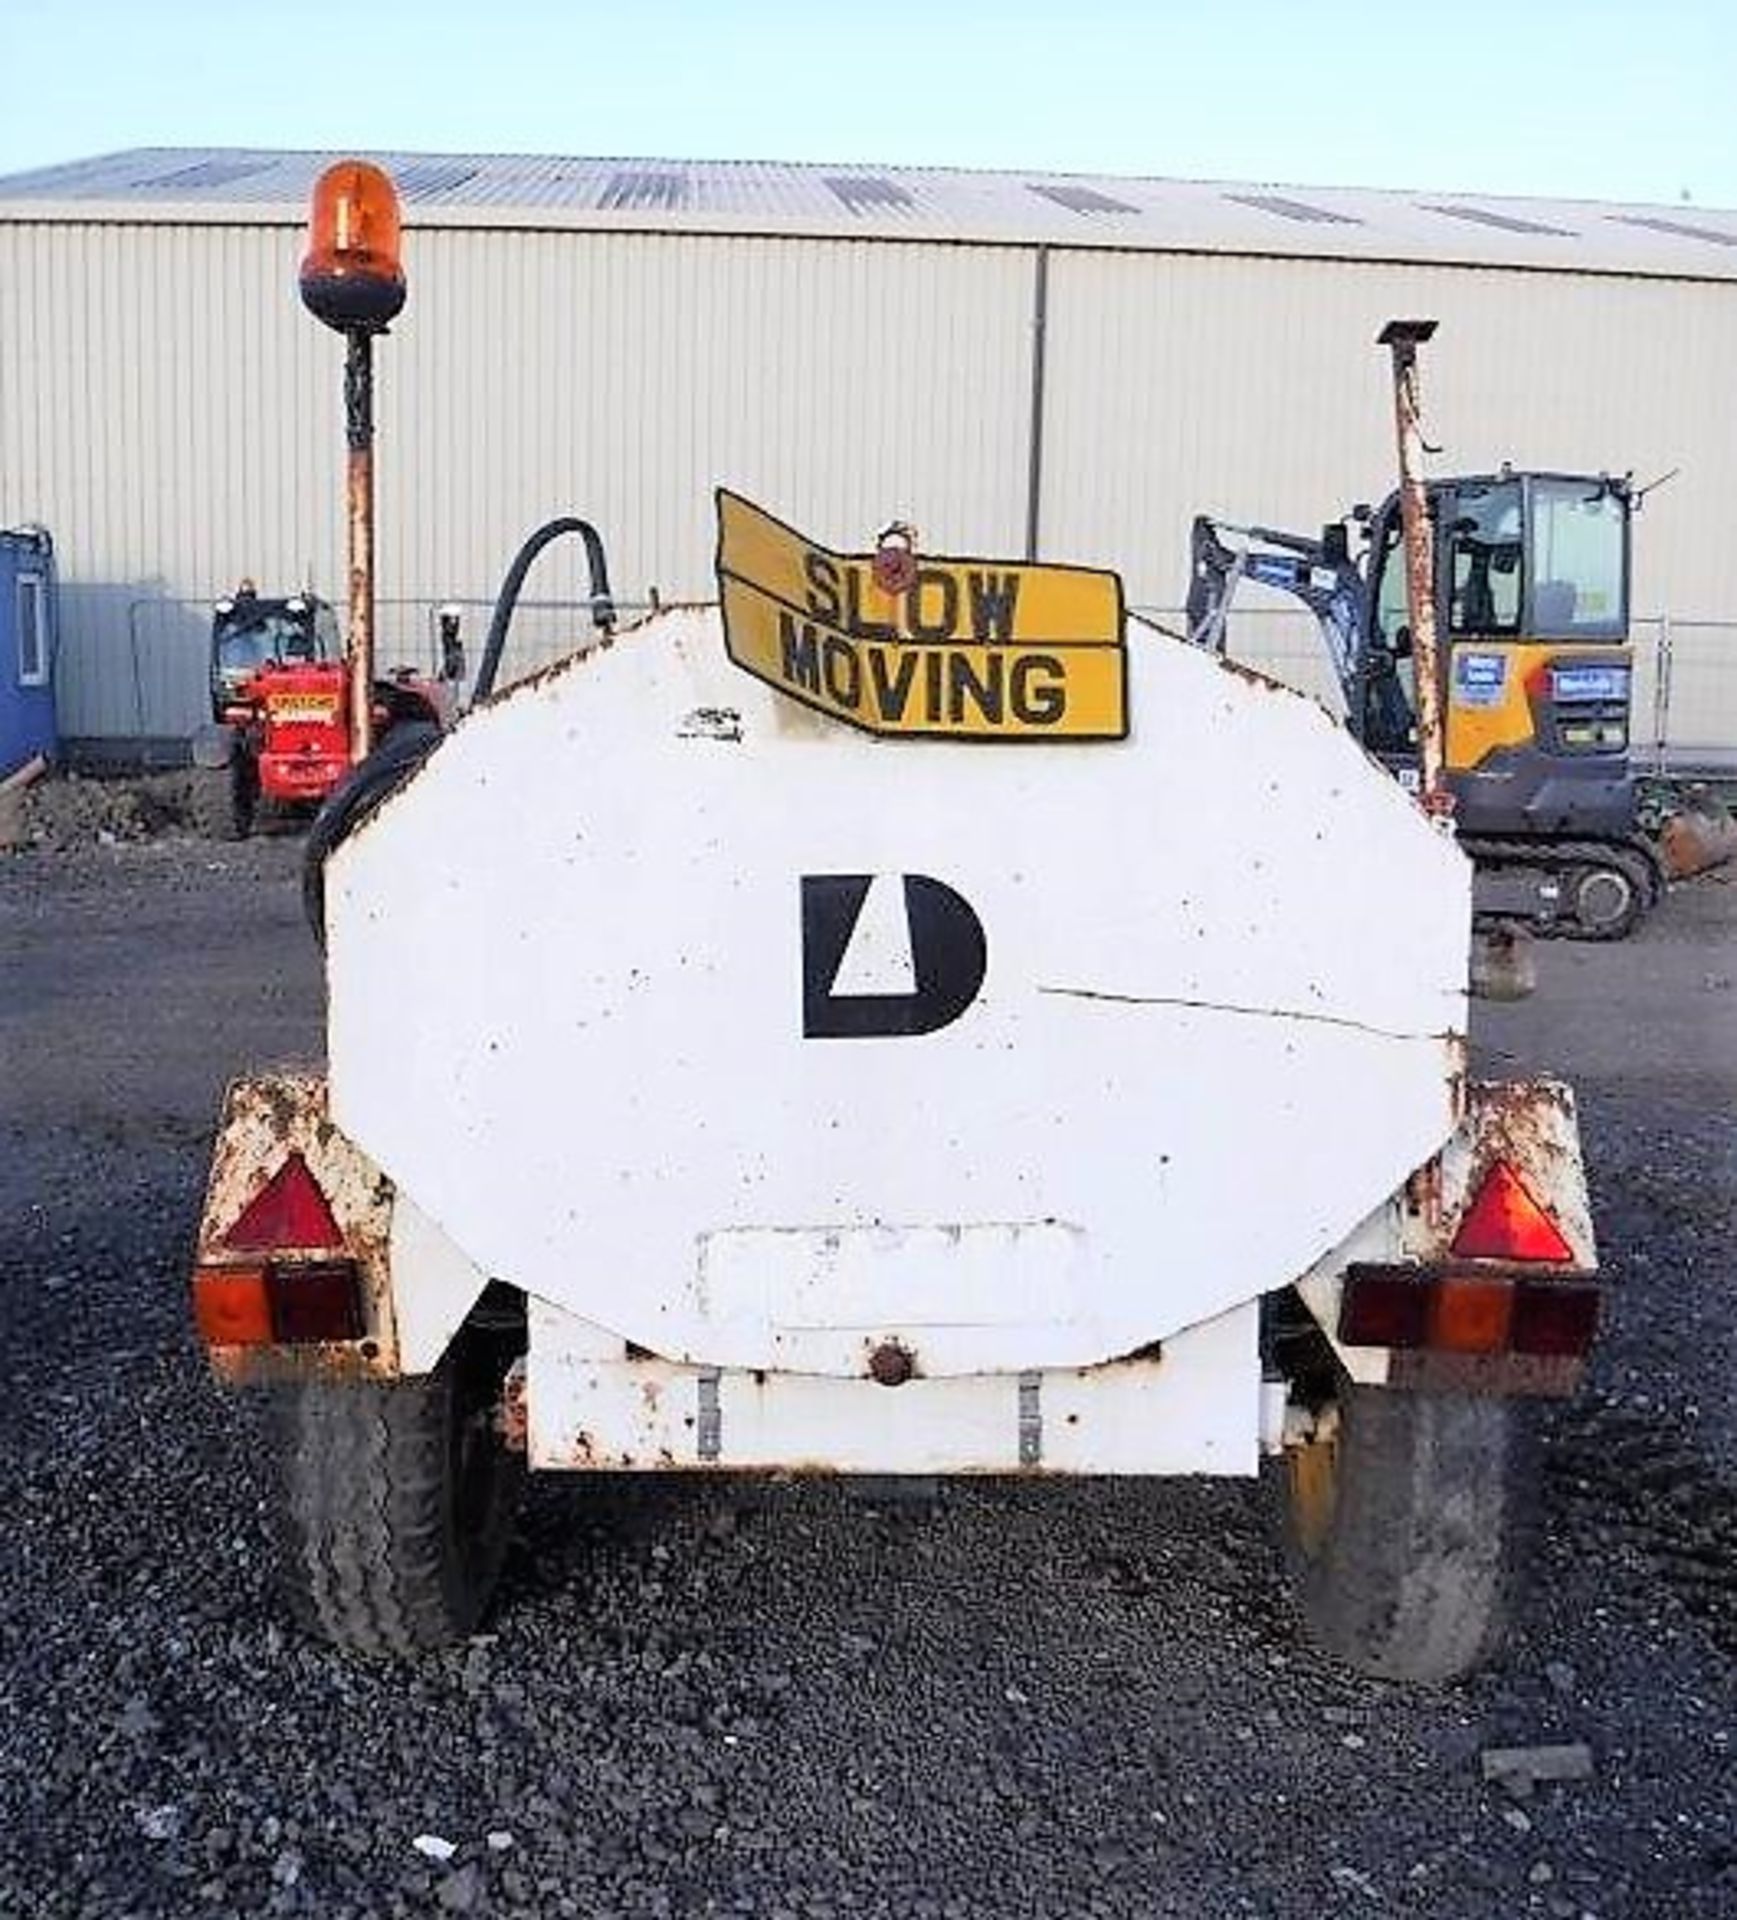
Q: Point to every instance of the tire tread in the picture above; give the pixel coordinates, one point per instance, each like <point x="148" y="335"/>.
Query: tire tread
<point x="369" y="1544"/>
<point x="1413" y="1578"/>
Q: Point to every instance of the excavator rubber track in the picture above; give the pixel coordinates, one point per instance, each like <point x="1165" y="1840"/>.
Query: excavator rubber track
<point x="1608" y="887"/>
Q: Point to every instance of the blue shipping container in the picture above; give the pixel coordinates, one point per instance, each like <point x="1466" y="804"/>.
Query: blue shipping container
<point x="27" y="646"/>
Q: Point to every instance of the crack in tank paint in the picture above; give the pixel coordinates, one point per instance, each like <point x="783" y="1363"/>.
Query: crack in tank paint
<point x="1445" y="1037"/>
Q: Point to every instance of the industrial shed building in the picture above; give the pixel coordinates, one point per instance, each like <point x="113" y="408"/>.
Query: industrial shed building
<point x="1016" y="363"/>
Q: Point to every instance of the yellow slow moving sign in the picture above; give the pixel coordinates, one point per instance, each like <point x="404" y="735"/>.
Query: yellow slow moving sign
<point x="973" y="649"/>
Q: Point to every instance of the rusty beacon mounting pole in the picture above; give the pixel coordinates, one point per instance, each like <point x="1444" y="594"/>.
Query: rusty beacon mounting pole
<point x="1403" y="338"/>
<point x="352" y="279"/>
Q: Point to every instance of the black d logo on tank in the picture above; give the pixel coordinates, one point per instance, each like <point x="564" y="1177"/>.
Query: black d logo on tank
<point x="939" y="962"/>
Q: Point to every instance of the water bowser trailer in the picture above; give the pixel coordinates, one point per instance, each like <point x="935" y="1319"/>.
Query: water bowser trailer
<point x="810" y="1032"/>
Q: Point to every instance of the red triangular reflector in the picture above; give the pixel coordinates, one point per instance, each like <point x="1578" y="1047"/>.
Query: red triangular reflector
<point x="288" y="1211"/>
<point x="1504" y="1222"/>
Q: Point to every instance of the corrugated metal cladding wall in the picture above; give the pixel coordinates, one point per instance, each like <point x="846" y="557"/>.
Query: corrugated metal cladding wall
<point x="623" y="376"/>
<point x="170" y="411"/>
<point x="166" y="410"/>
<point x="1253" y="389"/>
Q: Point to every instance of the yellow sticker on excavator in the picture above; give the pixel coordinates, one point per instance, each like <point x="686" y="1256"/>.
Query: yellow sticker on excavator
<point x="969" y="650"/>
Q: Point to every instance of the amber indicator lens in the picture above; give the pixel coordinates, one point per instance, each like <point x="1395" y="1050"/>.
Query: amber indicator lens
<point x="353" y="274"/>
<point x="1471" y="1316"/>
<point x="231" y="1307"/>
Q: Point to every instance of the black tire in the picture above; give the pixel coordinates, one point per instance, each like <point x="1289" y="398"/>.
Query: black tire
<point x="352" y="800"/>
<point x="1402" y="1529"/>
<point x="217" y="802"/>
<point x="396" y="1500"/>
<point x="245" y="795"/>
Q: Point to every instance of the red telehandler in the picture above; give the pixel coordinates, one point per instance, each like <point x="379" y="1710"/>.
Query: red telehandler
<point x="279" y="734"/>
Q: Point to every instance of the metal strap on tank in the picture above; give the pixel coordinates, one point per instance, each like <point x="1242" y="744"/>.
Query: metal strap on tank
<point x="709" y="1436"/>
<point x="1030" y="1419"/>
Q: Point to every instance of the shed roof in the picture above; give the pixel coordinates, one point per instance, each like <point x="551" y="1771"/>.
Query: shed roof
<point x="259" y="185"/>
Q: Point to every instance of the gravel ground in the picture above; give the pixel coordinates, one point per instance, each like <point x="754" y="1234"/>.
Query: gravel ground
<point x="66" y="813"/>
<point x="793" y="1699"/>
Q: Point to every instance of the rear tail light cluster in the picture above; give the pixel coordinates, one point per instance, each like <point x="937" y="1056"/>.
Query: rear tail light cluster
<point x="1480" y="1310"/>
<point x="279" y="1303"/>
<point x="307" y="1288"/>
<point x="1450" y="1312"/>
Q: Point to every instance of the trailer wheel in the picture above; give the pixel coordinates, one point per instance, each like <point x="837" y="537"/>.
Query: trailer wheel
<point x="219" y="802"/>
<point x="1400" y="1517"/>
<point x="396" y="1501"/>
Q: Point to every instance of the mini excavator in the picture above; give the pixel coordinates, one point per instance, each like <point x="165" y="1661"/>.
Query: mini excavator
<point x="1531" y="605"/>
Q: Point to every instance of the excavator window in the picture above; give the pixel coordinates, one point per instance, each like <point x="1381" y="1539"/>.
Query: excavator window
<point x="1579" y="559"/>
<point x="1389" y="722"/>
<point x="1484" y="546"/>
<point x="1391" y="611"/>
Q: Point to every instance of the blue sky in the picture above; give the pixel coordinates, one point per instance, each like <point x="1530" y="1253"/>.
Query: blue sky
<point x="1602" y="99"/>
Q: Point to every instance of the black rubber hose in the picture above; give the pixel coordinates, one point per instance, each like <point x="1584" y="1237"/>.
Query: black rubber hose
<point x="602" y="603"/>
<point x="410" y="742"/>
<point x="352" y="800"/>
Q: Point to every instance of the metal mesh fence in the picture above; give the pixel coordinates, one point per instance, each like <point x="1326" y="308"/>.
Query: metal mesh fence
<point x="1685" y="696"/>
<point x="149" y="682"/>
<point x="146" y="679"/>
<point x="1684" y="700"/>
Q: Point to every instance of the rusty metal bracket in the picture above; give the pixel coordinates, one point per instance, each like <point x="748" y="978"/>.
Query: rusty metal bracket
<point x="709" y="1430"/>
<point x="513" y="1416"/>
<point x="894" y="566"/>
<point x="1031" y="1419"/>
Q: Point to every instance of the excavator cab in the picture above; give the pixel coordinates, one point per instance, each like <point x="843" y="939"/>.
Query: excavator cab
<point x="1532" y="585"/>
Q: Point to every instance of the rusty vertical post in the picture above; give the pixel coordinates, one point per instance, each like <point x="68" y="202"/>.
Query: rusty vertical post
<point x="353" y="281"/>
<point x="1402" y="338"/>
<point x="359" y="497"/>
